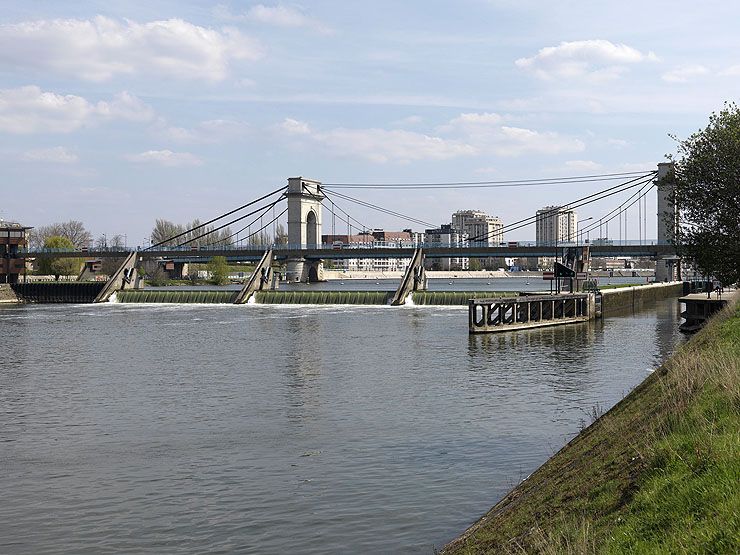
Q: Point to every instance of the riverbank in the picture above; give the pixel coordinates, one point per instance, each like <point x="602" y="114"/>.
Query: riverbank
<point x="657" y="473"/>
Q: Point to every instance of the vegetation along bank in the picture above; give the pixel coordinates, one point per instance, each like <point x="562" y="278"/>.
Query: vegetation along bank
<point x="658" y="473"/>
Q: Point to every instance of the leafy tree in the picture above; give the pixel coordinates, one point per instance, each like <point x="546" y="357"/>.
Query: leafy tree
<point x="59" y="266"/>
<point x="219" y="268"/>
<point x="73" y="230"/>
<point x="707" y="178"/>
<point x="474" y="264"/>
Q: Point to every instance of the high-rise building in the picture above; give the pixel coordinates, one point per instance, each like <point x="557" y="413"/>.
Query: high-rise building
<point x="555" y="224"/>
<point x="481" y="228"/>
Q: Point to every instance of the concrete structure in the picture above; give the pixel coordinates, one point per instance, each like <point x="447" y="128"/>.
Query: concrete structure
<point x="702" y="306"/>
<point x="413" y="280"/>
<point x="304" y="226"/>
<point x="13" y="239"/>
<point x="260" y="280"/>
<point x="620" y="300"/>
<point x="123" y="278"/>
<point x="513" y="313"/>
<point x="667" y="268"/>
<point x="446" y="236"/>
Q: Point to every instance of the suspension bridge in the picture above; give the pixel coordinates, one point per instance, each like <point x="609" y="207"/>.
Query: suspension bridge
<point x="305" y="203"/>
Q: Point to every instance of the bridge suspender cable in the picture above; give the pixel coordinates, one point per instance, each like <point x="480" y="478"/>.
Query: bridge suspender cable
<point x="574" y="204"/>
<point x="264" y="211"/>
<point x="363" y="227"/>
<point x="381" y="209"/>
<point x="227" y="224"/>
<point x="618" y="210"/>
<point x="571" y="206"/>
<point x="229" y="213"/>
<point x="260" y="229"/>
<point x="474" y="184"/>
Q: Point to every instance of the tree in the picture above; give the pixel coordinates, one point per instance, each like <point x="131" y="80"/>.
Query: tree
<point x="707" y="178"/>
<point x="59" y="266"/>
<point x="281" y="236"/>
<point x="219" y="268"/>
<point x="73" y="230"/>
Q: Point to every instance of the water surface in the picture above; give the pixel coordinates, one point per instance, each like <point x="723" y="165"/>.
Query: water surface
<point x="287" y="429"/>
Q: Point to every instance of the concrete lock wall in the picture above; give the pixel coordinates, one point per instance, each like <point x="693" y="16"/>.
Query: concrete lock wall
<point x="633" y="298"/>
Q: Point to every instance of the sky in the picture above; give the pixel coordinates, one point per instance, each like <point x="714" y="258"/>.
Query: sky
<point x="119" y="113"/>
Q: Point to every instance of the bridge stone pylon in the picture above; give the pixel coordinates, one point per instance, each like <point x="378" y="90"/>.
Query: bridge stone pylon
<point x="304" y="226"/>
<point x="667" y="268"/>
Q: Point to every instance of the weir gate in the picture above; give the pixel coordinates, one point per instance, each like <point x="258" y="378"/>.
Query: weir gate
<point x="511" y="313"/>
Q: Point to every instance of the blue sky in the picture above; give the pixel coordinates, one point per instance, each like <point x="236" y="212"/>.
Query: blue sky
<point x="118" y="113"/>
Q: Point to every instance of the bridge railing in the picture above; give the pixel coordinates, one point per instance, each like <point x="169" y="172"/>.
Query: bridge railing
<point x="340" y="246"/>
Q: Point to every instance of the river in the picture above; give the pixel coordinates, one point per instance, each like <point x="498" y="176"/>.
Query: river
<point x="287" y="429"/>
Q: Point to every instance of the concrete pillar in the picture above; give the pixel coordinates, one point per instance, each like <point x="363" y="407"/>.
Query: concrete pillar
<point x="665" y="268"/>
<point x="304" y="222"/>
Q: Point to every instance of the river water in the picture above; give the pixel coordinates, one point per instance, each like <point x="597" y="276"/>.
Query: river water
<point x="287" y="429"/>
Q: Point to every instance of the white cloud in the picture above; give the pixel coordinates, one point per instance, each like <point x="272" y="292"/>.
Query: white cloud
<point x="57" y="155"/>
<point x="409" y="120"/>
<point x="294" y="127"/>
<point x="619" y="143"/>
<point x="209" y="131"/>
<point x="582" y="165"/>
<point x="683" y="74"/>
<point x="166" y="158"/>
<point x="30" y="110"/>
<point x="730" y="71"/>
<point x="466" y="135"/>
<point x="281" y="16"/>
<point x="100" y="48"/>
<point x="598" y="60"/>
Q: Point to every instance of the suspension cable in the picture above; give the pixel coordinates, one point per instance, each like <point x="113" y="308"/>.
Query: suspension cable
<point x="229" y="213"/>
<point x="501" y="183"/>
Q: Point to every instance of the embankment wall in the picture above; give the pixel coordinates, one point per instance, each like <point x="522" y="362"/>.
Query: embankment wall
<point x="7" y="295"/>
<point x="615" y="301"/>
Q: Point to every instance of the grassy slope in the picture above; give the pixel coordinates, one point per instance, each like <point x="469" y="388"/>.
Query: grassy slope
<point x="658" y="473"/>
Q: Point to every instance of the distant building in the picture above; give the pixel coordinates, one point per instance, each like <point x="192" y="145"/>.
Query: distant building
<point x="446" y="236"/>
<point x="555" y="224"/>
<point x="13" y="237"/>
<point x="481" y="228"/>
<point x="377" y="239"/>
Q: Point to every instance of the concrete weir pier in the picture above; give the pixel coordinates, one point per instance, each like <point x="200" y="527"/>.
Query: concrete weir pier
<point x="513" y="313"/>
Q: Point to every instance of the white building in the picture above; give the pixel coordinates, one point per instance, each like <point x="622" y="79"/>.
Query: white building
<point x="555" y="224"/>
<point x="481" y="228"/>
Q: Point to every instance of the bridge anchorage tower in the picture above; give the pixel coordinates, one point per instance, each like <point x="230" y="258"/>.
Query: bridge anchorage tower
<point x="304" y="227"/>
<point x="667" y="268"/>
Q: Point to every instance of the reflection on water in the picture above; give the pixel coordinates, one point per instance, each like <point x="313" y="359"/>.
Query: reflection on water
<point x="273" y="429"/>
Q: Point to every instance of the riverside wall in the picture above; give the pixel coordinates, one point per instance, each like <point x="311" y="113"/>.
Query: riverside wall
<point x="7" y="295"/>
<point x="616" y="301"/>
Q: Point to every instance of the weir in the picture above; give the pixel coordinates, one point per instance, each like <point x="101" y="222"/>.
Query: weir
<point x="324" y="297"/>
<point x="512" y="313"/>
<point x="58" y="291"/>
<point x="179" y="297"/>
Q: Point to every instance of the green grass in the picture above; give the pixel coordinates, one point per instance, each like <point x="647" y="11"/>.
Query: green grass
<point x="658" y="473"/>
